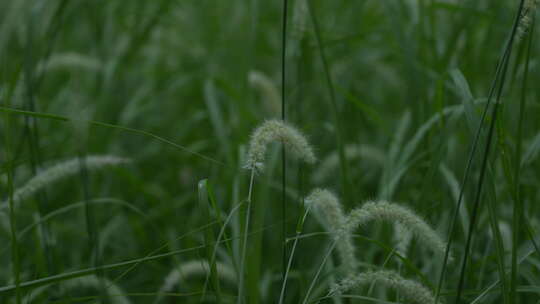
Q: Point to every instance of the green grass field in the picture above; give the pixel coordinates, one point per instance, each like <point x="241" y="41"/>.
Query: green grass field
<point x="129" y="173"/>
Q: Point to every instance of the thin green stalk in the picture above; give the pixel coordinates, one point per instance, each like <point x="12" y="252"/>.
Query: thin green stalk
<point x="300" y="228"/>
<point x="499" y="244"/>
<point x="331" y="247"/>
<point x="517" y="214"/>
<point x="132" y="263"/>
<point x="51" y="38"/>
<point x="90" y="271"/>
<point x="531" y="234"/>
<point x="244" y="242"/>
<point x="500" y="70"/>
<point x="283" y="152"/>
<point x="32" y="132"/>
<point x="333" y="99"/>
<point x="93" y="237"/>
<point x="112" y="126"/>
<point x="206" y="203"/>
<point x="490" y="287"/>
<point x="15" y="258"/>
<point x="483" y="169"/>
<point x="221" y="235"/>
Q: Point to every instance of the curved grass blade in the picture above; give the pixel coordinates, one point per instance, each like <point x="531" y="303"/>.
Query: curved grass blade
<point x="112" y="126"/>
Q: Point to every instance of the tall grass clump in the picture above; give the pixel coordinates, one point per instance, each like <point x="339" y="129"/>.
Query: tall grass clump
<point x="429" y="103"/>
<point x="406" y="224"/>
<point x="292" y="140"/>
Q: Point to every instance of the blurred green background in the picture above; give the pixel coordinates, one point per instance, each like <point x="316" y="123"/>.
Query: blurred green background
<point x="178" y="86"/>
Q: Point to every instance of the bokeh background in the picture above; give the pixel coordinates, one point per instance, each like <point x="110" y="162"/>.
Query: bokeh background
<point x="177" y="87"/>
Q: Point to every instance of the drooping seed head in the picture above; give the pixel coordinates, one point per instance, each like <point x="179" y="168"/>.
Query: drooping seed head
<point x="393" y="213"/>
<point x="276" y="130"/>
<point x="300" y="19"/>
<point x="327" y="206"/>
<point x="402" y="237"/>
<point x="60" y="171"/>
<point x="269" y="92"/>
<point x="190" y="269"/>
<point x="526" y="17"/>
<point x="114" y="293"/>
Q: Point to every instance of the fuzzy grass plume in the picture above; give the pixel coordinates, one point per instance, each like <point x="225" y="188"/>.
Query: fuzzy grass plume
<point x="300" y="19"/>
<point x="409" y="289"/>
<point x="403" y="238"/>
<point x="269" y="92"/>
<point x="393" y="213"/>
<point x="190" y="269"/>
<point x="329" y="209"/>
<point x="60" y="171"/>
<point x="276" y="130"/>
<point x="526" y="18"/>
<point x="115" y="293"/>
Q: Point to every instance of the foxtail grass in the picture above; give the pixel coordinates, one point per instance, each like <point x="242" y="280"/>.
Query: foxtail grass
<point x="114" y="293"/>
<point x="61" y="171"/>
<point x="410" y="290"/>
<point x="329" y="209"/>
<point x="292" y="140"/>
<point x="269" y="92"/>
<point x="393" y="213"/>
<point x="195" y="268"/>
<point x="276" y="130"/>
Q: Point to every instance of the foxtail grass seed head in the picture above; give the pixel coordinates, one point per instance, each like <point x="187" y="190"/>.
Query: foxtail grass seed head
<point x="327" y="206"/>
<point x="393" y="213"/>
<point x="403" y="238"/>
<point x="115" y="293"/>
<point x="186" y="271"/>
<point x="67" y="61"/>
<point x="526" y="18"/>
<point x="59" y="171"/>
<point x="409" y="289"/>
<point x="269" y="92"/>
<point x="300" y="19"/>
<point x="276" y="130"/>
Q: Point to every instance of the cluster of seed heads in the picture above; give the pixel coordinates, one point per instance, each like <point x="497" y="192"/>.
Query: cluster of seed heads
<point x="342" y="226"/>
<point x="327" y="206"/>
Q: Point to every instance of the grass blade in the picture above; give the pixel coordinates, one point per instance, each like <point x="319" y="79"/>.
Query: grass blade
<point x="335" y="112"/>
<point x="483" y="168"/>
<point x="205" y="203"/>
